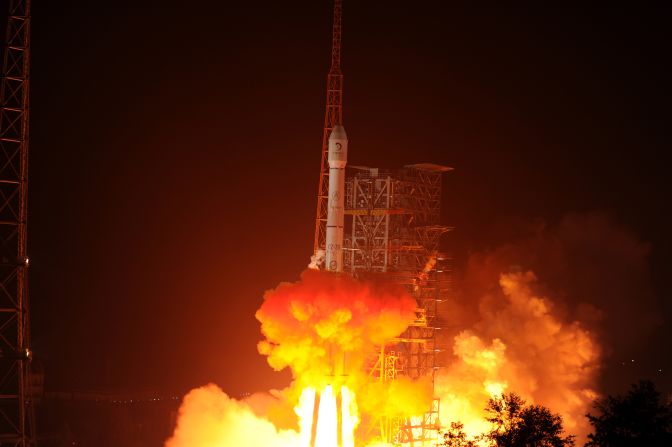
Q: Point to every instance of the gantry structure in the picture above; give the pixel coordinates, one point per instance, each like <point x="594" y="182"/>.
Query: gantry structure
<point x="16" y="404"/>
<point x="394" y="234"/>
<point x="395" y="220"/>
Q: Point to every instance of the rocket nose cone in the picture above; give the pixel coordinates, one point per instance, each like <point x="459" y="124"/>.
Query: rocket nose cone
<point x="338" y="133"/>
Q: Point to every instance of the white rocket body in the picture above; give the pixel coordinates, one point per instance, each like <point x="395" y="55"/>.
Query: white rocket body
<point x="338" y="158"/>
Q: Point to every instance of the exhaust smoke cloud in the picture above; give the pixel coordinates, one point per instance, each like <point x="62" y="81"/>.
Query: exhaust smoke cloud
<point x="521" y="345"/>
<point x="324" y="328"/>
<point x="535" y="317"/>
<point x="539" y="316"/>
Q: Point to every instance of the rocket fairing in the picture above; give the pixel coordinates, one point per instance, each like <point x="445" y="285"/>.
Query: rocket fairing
<point x="338" y="158"/>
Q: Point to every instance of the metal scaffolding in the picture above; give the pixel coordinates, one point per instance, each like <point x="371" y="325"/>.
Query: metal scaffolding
<point x="16" y="406"/>
<point x="394" y="235"/>
<point x="394" y="220"/>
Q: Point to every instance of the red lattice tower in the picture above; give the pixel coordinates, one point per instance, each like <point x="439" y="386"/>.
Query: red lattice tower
<point x="16" y="398"/>
<point x="333" y="116"/>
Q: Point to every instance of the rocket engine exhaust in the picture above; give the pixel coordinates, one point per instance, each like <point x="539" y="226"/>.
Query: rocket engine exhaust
<point x="338" y="158"/>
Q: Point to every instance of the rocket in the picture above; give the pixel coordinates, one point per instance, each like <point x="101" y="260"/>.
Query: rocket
<point x="338" y="158"/>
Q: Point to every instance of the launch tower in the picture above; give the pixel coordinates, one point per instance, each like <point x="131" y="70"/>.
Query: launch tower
<point x="332" y="117"/>
<point x="391" y="231"/>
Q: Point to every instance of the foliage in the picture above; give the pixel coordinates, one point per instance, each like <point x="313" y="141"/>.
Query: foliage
<point x="517" y="425"/>
<point x="456" y="437"/>
<point x="636" y="419"/>
<point x="513" y="425"/>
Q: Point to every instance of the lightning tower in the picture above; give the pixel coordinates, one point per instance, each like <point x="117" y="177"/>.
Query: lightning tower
<point x="16" y="405"/>
<point x="333" y="116"/>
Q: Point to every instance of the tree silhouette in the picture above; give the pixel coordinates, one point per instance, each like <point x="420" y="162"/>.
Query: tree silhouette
<point x="513" y="425"/>
<point x="517" y="425"/>
<point x="456" y="437"/>
<point x="637" y="419"/>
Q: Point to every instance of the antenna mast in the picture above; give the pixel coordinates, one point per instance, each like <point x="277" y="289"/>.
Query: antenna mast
<point x="332" y="117"/>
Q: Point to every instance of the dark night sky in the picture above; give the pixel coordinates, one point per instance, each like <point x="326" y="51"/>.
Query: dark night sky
<point x="175" y="157"/>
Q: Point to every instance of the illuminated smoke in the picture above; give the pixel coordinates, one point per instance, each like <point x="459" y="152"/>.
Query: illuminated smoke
<point x="324" y="328"/>
<point x="309" y="324"/>
<point x="317" y="260"/>
<point x="520" y="345"/>
<point x="543" y="334"/>
<point x="509" y="329"/>
<point x="327" y="328"/>
<point x="595" y="270"/>
<point x="399" y="398"/>
<point x="209" y="418"/>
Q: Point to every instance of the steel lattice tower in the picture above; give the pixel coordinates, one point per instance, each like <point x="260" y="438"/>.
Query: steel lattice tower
<point x="332" y="117"/>
<point x="16" y="406"/>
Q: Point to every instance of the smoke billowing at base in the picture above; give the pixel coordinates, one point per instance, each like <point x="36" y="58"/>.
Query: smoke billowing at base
<point x="520" y="345"/>
<point x="528" y="317"/>
<point x="541" y="314"/>
<point x="324" y="328"/>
